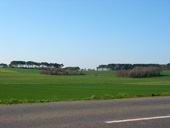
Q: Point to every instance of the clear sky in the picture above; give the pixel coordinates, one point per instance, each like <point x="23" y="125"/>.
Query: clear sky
<point x="85" y="33"/>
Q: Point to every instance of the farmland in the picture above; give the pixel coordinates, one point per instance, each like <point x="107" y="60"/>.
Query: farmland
<point x="29" y="86"/>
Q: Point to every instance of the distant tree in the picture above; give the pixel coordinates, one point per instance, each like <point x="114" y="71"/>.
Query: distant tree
<point x="58" y="65"/>
<point x="21" y="64"/>
<point x="102" y="67"/>
<point x="72" y="68"/>
<point x="2" y="65"/>
<point x="168" y="66"/>
<point x="30" y="64"/>
<point x="14" y="64"/>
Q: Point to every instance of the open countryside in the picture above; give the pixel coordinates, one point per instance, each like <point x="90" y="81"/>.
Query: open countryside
<point x="85" y="64"/>
<point x="29" y="86"/>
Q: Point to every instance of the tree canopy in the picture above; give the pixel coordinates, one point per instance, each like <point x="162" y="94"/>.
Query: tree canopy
<point x="131" y="66"/>
<point x="32" y="64"/>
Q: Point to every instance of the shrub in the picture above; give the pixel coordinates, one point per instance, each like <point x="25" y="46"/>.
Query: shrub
<point x="59" y="71"/>
<point x="139" y="72"/>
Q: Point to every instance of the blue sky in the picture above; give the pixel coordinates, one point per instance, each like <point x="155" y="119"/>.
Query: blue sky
<point x="85" y="33"/>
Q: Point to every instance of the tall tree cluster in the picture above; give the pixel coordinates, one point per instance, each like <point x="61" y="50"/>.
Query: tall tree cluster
<point x="32" y="64"/>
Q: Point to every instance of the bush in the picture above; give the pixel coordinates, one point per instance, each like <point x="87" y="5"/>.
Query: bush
<point x="59" y="71"/>
<point x="139" y="72"/>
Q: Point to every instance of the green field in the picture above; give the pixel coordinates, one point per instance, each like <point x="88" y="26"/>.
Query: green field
<point x="29" y="86"/>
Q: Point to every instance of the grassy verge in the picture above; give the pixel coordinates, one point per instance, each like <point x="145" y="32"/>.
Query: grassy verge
<point x="93" y="97"/>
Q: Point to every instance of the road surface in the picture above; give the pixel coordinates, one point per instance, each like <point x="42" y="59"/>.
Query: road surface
<point x="123" y="113"/>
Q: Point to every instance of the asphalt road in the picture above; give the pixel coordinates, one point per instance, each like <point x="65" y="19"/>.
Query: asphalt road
<point x="144" y="112"/>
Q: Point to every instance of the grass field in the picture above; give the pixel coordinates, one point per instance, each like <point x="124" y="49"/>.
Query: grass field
<point x="29" y="86"/>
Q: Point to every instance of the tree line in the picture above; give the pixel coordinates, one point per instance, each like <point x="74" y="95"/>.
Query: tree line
<point x="31" y="64"/>
<point x="131" y="66"/>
